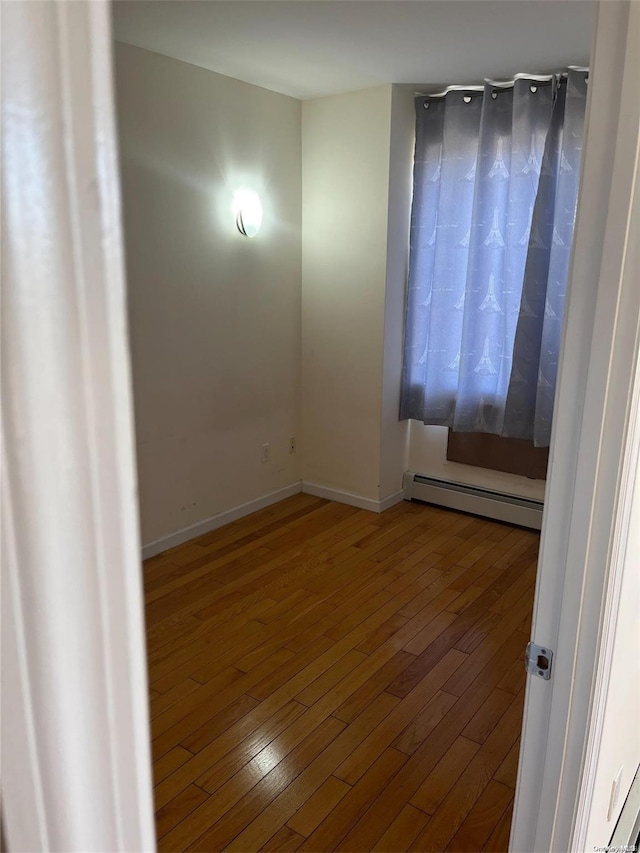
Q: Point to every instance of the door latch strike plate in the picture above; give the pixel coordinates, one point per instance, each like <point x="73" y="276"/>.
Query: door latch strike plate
<point x="538" y="661"/>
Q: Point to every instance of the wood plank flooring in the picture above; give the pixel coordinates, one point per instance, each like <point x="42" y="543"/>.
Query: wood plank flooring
<point x="325" y="678"/>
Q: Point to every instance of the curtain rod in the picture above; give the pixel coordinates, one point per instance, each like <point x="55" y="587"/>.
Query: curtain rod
<point x="502" y="84"/>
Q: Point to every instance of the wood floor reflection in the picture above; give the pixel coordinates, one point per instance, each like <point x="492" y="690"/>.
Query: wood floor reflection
<point x="325" y="678"/>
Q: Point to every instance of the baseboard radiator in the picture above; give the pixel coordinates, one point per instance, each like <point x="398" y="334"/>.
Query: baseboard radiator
<point x="485" y="502"/>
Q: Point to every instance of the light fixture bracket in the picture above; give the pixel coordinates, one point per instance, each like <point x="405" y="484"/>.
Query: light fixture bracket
<point x="248" y="210"/>
<point x="240" y="224"/>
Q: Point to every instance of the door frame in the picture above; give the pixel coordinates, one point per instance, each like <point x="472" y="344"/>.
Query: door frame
<point x="594" y="438"/>
<point x="75" y="722"/>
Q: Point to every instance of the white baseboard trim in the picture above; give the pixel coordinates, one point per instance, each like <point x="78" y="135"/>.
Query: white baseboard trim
<point x="222" y="518"/>
<point x="391" y="500"/>
<point x="349" y="498"/>
<point x="219" y="520"/>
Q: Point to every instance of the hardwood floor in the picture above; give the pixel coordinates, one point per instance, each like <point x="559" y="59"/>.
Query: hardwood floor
<point x="324" y="678"/>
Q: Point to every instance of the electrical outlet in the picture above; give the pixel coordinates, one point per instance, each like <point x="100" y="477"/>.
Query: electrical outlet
<point x="292" y="444"/>
<point x="265" y="453"/>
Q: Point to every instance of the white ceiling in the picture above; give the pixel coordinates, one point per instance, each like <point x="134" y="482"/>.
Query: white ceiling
<point x="308" y="48"/>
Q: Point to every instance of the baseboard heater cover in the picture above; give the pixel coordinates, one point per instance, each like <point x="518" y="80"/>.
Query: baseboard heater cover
<point x="525" y="512"/>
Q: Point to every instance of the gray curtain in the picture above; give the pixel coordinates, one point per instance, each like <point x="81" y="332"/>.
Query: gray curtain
<point x="529" y="405"/>
<point x="495" y="193"/>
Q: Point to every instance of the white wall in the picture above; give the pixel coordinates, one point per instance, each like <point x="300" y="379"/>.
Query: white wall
<point x="214" y="316"/>
<point x="345" y="191"/>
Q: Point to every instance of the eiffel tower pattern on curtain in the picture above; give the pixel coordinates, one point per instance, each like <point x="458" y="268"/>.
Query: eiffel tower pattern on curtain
<point x="455" y="364"/>
<point x="471" y="174"/>
<point x="494" y="237"/>
<point x="565" y="165"/>
<point x="535" y="237"/>
<point x="548" y="310"/>
<point x="485" y="365"/>
<point x="524" y="240"/>
<point x="499" y="171"/>
<point x="525" y="309"/>
<point x="490" y="302"/>
<point x="435" y="177"/>
<point x="532" y="164"/>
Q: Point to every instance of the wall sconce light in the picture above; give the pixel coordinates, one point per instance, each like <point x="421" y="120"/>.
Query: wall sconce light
<point x="248" y="211"/>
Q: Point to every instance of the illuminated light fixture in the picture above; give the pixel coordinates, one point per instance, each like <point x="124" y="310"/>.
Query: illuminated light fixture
<point x="248" y="212"/>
